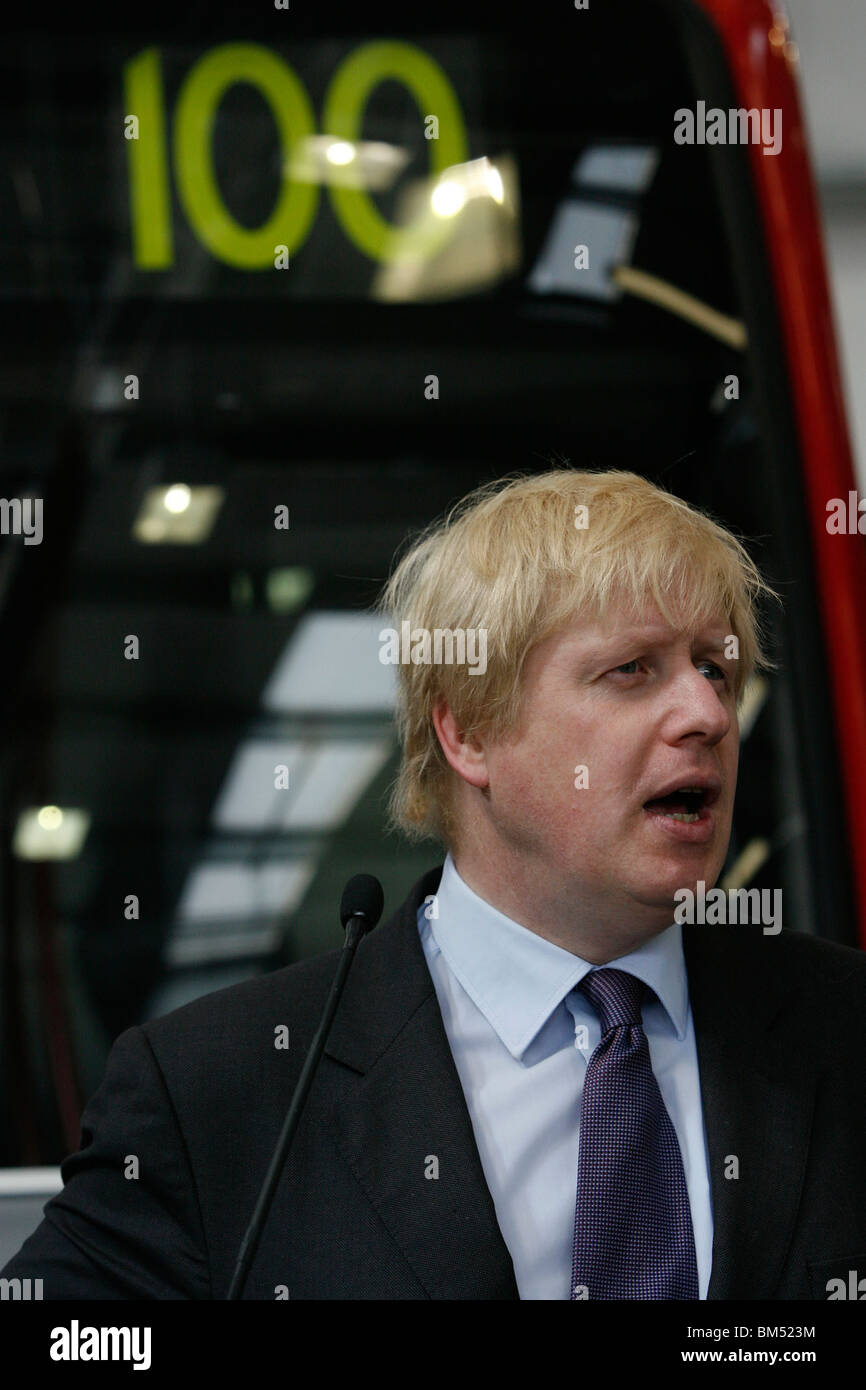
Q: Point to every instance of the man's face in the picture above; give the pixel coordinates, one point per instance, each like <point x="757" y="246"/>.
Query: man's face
<point x="646" y="712"/>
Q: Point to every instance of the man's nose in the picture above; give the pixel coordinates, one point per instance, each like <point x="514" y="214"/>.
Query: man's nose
<point x="696" y="707"/>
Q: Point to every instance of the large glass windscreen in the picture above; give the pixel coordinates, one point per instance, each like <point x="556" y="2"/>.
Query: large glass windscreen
<point x="424" y="168"/>
<point x="275" y="292"/>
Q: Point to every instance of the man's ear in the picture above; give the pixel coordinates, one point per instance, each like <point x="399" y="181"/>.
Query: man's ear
<point x="466" y="756"/>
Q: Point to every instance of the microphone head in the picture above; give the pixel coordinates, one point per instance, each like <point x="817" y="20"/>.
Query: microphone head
<point x="362" y="897"/>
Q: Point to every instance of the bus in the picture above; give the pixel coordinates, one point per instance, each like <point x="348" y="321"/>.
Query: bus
<point x="277" y="289"/>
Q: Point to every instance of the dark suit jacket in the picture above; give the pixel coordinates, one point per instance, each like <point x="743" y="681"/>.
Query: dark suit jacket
<point x="199" y="1096"/>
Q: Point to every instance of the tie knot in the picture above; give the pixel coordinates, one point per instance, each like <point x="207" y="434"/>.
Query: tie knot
<point x="616" y="997"/>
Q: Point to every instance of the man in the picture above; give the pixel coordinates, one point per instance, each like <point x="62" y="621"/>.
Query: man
<point x="539" y="1084"/>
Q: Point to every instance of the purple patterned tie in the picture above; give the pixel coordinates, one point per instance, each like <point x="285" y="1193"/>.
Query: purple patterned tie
<point x="633" y="1233"/>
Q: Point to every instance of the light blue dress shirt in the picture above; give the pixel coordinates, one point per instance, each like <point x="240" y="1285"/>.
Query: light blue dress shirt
<point x="521" y="1036"/>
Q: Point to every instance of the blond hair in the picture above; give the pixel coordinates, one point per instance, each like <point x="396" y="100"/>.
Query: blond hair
<point x="519" y="559"/>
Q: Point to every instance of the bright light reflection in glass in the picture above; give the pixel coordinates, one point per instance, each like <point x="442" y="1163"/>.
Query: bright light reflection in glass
<point x="447" y="198"/>
<point x="340" y="152"/>
<point x="495" y="186"/>
<point x="177" y="498"/>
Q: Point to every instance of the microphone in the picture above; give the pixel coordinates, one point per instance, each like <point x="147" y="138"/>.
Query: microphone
<point x="362" y="897"/>
<point x="360" y="909"/>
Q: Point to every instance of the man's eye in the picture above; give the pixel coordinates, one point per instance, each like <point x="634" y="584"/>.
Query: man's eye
<point x="631" y="668"/>
<point x="717" y="669"/>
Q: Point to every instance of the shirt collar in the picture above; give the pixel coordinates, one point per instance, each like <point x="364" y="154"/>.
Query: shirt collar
<point x="517" y="978"/>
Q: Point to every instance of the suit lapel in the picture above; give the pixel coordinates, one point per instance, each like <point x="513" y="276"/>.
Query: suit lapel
<point x="403" y="1117"/>
<point x="758" y="1088"/>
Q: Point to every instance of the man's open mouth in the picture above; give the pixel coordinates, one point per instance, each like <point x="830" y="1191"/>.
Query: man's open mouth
<point x="686" y="803"/>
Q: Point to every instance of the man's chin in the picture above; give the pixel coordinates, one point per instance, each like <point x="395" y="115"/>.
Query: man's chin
<point x="659" y="890"/>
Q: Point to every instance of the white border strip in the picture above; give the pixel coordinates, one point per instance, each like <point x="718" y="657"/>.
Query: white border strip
<point x="29" y="1182"/>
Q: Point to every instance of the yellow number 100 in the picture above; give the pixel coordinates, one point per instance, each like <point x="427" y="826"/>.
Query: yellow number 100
<point x="295" y="207"/>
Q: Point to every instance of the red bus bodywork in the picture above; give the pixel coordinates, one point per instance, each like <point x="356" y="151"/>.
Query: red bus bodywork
<point x="762" y="62"/>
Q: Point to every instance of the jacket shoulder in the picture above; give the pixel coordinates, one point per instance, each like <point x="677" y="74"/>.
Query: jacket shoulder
<point x="829" y="959"/>
<point x="832" y="974"/>
<point x="242" y="1016"/>
<point x="299" y="989"/>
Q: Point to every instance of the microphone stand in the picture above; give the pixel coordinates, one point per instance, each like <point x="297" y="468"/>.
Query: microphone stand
<point x="356" y="927"/>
